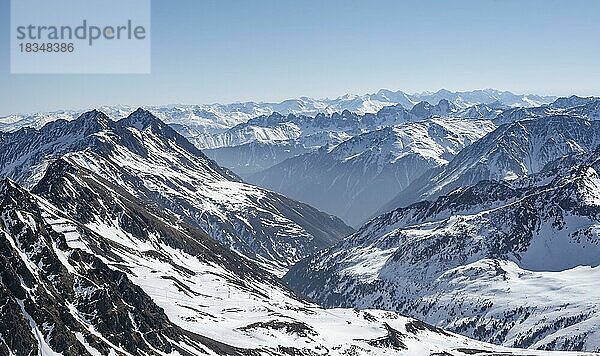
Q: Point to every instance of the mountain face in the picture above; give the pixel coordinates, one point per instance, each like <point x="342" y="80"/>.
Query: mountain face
<point x="89" y="269"/>
<point x="353" y="179"/>
<point x="512" y="151"/>
<point x="265" y="141"/>
<point x="314" y="131"/>
<point x="152" y="162"/>
<point x="62" y="300"/>
<point x="219" y="128"/>
<point x="482" y="111"/>
<point x="485" y="96"/>
<point x="443" y="108"/>
<point x="509" y="262"/>
<point x="106" y="237"/>
<point x="277" y="137"/>
<point x="572" y="101"/>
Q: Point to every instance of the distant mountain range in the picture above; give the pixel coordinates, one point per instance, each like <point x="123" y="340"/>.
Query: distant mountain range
<point x="210" y="118"/>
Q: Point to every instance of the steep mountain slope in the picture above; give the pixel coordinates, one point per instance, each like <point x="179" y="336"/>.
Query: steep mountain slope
<point x="62" y="300"/>
<point x="353" y="179"/>
<point x="223" y="128"/>
<point x="515" y="263"/>
<point x="482" y="111"/>
<point x="572" y="102"/>
<point x="589" y="110"/>
<point x="511" y="151"/>
<point x="89" y="269"/>
<point x="151" y="161"/>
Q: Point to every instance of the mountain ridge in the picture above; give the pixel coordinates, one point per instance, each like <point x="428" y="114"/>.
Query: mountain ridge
<point x="512" y="151"/>
<point x="353" y="178"/>
<point x="162" y="168"/>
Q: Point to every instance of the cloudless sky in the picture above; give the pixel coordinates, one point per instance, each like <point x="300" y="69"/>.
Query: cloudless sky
<point x="206" y="51"/>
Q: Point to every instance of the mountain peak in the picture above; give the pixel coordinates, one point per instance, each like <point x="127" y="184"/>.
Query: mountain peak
<point x="444" y="91"/>
<point x="6" y="183"/>
<point x="392" y="109"/>
<point x="11" y="192"/>
<point x="93" y="121"/>
<point x="142" y="119"/>
<point x="571" y="101"/>
<point x="426" y="109"/>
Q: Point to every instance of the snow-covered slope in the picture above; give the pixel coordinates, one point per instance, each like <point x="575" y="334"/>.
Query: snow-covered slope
<point x="513" y="150"/>
<point x="482" y="111"/>
<point x="61" y="297"/>
<point x="218" y="126"/>
<point x="151" y="161"/>
<point x="516" y="263"/>
<point x="353" y="179"/>
<point x="88" y="269"/>
<point x="280" y="136"/>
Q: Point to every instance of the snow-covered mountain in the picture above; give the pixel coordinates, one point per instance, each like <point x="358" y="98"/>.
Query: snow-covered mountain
<point x="485" y="96"/>
<point x="443" y="108"/>
<point x="513" y="150"/>
<point x="482" y="111"/>
<point x="587" y="108"/>
<point x="61" y="297"/>
<point x="127" y="279"/>
<point x="265" y="141"/>
<point x="279" y="127"/>
<point x="353" y="179"/>
<point x="515" y="263"/>
<point x="314" y="131"/>
<point x="148" y="159"/>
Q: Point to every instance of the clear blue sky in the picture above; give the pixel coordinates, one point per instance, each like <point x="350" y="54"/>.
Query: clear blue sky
<point x="207" y="51"/>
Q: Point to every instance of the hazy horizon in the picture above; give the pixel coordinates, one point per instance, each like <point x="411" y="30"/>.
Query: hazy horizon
<point x="92" y="107"/>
